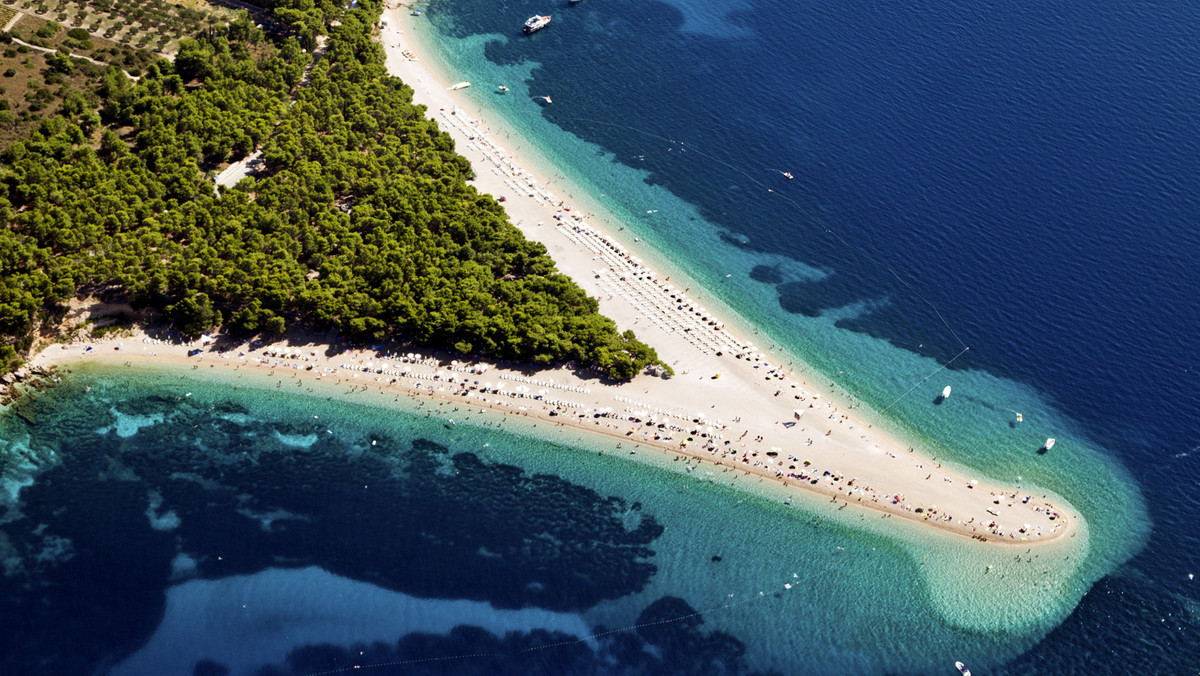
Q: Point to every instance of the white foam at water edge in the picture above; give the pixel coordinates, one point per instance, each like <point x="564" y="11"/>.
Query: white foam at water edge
<point x="248" y="621"/>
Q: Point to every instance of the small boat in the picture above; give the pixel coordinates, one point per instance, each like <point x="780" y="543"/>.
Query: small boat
<point x="963" y="668"/>
<point x="502" y="88"/>
<point x="416" y="11"/>
<point x="788" y="174"/>
<point x="536" y="23"/>
<point x="460" y="85"/>
<point x="574" y="2"/>
<point x="1049" y="444"/>
<point x="946" y="393"/>
<point x="544" y="98"/>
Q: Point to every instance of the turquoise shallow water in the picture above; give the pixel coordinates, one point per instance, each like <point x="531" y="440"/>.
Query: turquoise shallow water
<point x="208" y="476"/>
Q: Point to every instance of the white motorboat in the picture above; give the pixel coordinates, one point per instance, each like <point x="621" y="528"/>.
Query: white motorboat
<point x="946" y="393"/>
<point x="536" y="23"/>
<point x="963" y="668"/>
<point x="1049" y="444"/>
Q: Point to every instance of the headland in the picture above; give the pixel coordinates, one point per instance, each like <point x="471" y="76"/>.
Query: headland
<point x="730" y="406"/>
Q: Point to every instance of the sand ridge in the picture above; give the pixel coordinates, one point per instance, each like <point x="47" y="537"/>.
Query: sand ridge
<point x="823" y="452"/>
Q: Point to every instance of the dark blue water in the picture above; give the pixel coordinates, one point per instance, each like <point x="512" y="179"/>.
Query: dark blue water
<point x="1032" y="171"/>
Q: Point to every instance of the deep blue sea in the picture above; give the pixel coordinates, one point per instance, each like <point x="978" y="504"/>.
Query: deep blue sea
<point x="1022" y="179"/>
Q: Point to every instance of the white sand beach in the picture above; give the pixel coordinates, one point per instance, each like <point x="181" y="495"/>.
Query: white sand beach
<point x="729" y="407"/>
<point x="734" y="424"/>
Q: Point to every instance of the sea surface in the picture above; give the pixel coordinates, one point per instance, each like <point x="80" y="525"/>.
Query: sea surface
<point x="1019" y="180"/>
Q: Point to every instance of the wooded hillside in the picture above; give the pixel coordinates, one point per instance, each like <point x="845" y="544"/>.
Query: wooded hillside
<point x="362" y="219"/>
